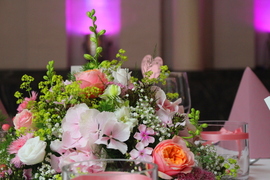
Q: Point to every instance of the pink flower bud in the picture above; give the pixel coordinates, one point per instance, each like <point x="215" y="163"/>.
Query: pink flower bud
<point x="5" y="127"/>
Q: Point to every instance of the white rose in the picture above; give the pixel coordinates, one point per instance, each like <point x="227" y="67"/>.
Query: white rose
<point x="33" y="151"/>
<point x="121" y="76"/>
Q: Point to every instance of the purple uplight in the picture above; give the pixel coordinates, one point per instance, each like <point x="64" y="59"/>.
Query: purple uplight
<point x="107" y="12"/>
<point x="261" y="15"/>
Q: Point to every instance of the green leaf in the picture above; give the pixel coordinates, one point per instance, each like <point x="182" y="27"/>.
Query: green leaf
<point x="92" y="29"/>
<point x="93" y="39"/>
<point x="88" y="56"/>
<point x="101" y="32"/>
<point x="91" y="13"/>
<point x="94" y="18"/>
<point x="99" y="50"/>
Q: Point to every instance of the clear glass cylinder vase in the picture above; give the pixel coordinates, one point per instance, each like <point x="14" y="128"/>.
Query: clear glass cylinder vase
<point x="110" y="169"/>
<point x="230" y="139"/>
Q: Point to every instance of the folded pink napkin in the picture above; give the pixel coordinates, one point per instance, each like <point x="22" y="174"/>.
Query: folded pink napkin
<point x="249" y="106"/>
<point x="2" y="108"/>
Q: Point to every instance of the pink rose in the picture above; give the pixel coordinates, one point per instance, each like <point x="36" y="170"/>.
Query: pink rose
<point x="166" y="109"/>
<point x="92" y="79"/>
<point x="23" y="119"/>
<point x="166" y="105"/>
<point x="173" y="157"/>
<point x="24" y="104"/>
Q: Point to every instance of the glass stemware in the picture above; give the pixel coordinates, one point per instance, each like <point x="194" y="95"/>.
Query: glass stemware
<point x="177" y="82"/>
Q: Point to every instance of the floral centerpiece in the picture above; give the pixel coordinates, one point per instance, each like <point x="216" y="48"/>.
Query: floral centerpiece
<point x="104" y="112"/>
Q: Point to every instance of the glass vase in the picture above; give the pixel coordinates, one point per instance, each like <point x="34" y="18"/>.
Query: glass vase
<point x="230" y="139"/>
<point x="110" y="169"/>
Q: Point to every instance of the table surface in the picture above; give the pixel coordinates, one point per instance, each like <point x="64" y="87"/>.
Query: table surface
<point x="260" y="170"/>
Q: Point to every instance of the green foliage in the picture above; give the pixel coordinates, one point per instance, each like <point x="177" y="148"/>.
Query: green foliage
<point x="208" y="159"/>
<point x="194" y="117"/>
<point x="164" y="73"/>
<point x="93" y="60"/>
<point x="172" y="96"/>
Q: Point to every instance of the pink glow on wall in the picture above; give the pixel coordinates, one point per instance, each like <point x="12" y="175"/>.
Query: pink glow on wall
<point x="107" y="12"/>
<point x="262" y="15"/>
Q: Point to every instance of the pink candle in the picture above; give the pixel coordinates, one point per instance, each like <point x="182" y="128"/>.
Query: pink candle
<point x="112" y="176"/>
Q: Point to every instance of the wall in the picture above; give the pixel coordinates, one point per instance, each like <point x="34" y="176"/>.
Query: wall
<point x="32" y="33"/>
<point x="189" y="34"/>
<point x="234" y="35"/>
<point x="141" y="30"/>
<point x="181" y="34"/>
<point x="212" y="34"/>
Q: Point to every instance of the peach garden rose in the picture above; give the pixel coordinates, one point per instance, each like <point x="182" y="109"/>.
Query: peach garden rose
<point x="93" y="79"/>
<point x="173" y="157"/>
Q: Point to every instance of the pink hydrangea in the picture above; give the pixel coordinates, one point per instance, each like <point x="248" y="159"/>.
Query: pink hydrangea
<point x="71" y="127"/>
<point x="71" y="156"/>
<point x="113" y="134"/>
<point x="144" y="135"/>
<point x="141" y="152"/>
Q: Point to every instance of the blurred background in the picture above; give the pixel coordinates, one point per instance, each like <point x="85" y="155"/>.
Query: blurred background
<point x="212" y="40"/>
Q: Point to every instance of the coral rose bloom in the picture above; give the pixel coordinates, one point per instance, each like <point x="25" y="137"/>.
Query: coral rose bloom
<point x="173" y="157"/>
<point x="92" y="78"/>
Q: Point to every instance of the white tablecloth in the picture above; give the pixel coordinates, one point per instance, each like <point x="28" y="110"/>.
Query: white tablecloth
<point x="260" y="170"/>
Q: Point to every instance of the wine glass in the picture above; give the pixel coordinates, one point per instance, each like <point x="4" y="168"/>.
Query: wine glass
<point x="110" y="169"/>
<point x="177" y="82"/>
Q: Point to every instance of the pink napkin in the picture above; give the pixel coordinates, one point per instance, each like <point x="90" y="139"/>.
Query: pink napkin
<point x="249" y="106"/>
<point x="3" y="110"/>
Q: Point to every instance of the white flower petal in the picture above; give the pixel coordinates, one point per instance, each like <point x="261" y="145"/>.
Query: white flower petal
<point x="122" y="147"/>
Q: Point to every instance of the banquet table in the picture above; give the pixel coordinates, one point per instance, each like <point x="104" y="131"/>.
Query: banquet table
<point x="260" y="170"/>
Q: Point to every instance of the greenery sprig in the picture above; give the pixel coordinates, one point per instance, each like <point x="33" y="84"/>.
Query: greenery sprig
<point x="194" y="117"/>
<point x="93" y="60"/>
<point x="208" y="158"/>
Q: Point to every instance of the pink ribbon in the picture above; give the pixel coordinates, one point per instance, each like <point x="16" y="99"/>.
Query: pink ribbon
<point x="112" y="176"/>
<point x="224" y="134"/>
<point x="215" y="136"/>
